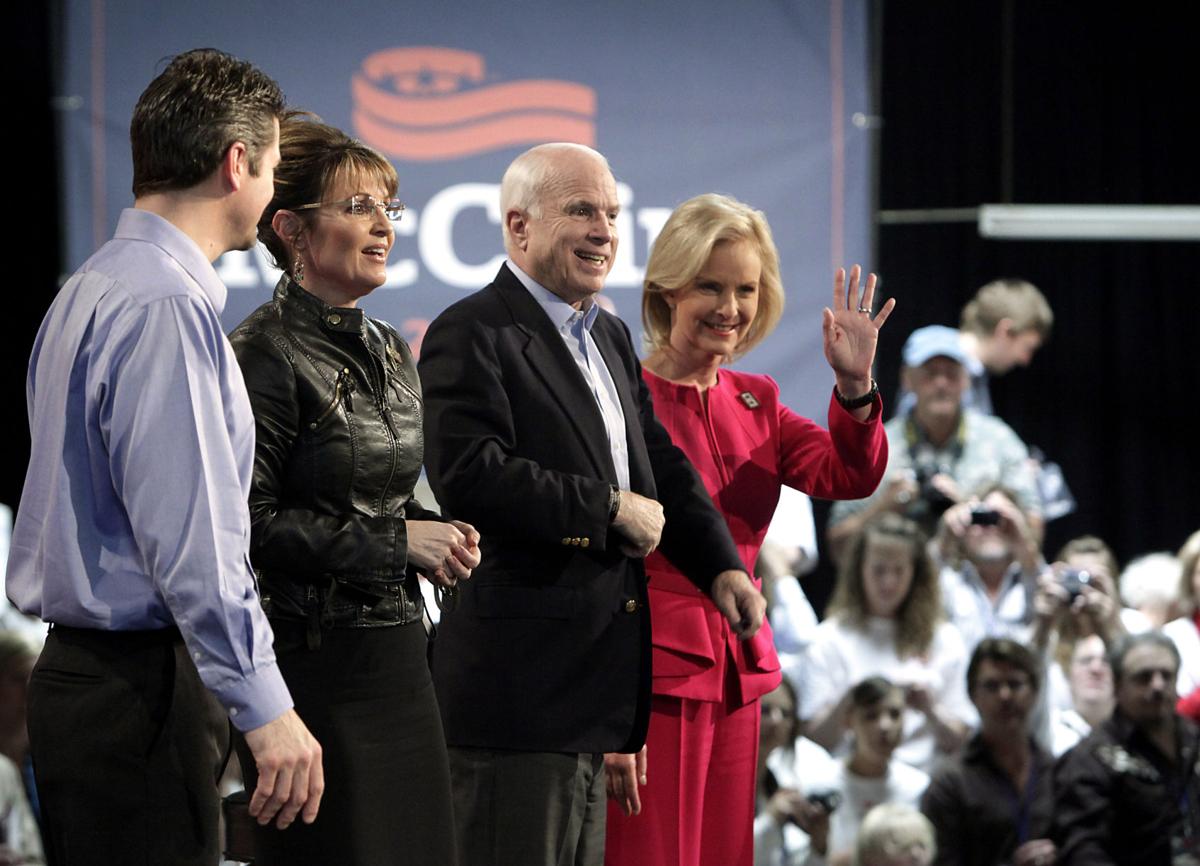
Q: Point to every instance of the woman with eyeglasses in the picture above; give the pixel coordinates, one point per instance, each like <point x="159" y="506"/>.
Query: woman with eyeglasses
<point x="338" y="540"/>
<point x="993" y="803"/>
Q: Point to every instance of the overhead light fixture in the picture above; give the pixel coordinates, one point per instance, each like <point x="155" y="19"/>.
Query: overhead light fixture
<point x="1090" y="222"/>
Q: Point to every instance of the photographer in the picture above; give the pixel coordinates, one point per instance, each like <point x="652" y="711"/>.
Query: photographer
<point x="939" y="449"/>
<point x="990" y="562"/>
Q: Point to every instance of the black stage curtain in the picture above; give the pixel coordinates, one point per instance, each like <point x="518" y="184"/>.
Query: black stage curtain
<point x="1054" y="104"/>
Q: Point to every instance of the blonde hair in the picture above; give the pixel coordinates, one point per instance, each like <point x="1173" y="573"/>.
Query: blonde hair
<point x="893" y="833"/>
<point x="1188" y="555"/>
<point x="682" y="250"/>
<point x="919" y="614"/>
<point x="1016" y="300"/>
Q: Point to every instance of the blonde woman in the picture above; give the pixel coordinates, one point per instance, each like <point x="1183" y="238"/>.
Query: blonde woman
<point x="712" y="293"/>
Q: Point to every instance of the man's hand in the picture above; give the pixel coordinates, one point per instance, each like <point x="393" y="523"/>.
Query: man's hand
<point x="640" y="521"/>
<point x="290" y="775"/>
<point x="739" y="602"/>
<point x="623" y="773"/>
<point x="1035" y="852"/>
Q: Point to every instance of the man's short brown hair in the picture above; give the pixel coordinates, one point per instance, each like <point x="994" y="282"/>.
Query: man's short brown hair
<point x="185" y="121"/>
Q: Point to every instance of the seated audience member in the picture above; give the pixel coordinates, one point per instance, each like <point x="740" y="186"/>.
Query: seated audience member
<point x="789" y="551"/>
<point x="1150" y="587"/>
<point x="792" y="533"/>
<point x="20" y="843"/>
<point x="11" y="618"/>
<point x="939" y="450"/>
<point x="1089" y="680"/>
<point x="990" y="561"/>
<point x="868" y="776"/>
<point x="1130" y="792"/>
<point x="19" y="837"/>
<point x="1185" y="631"/>
<point x="885" y="618"/>
<point x="895" y="835"/>
<point x="1088" y="553"/>
<point x="1077" y="598"/>
<point x="994" y="803"/>
<point x="1001" y="328"/>
<point x="784" y="816"/>
<point x="17" y="657"/>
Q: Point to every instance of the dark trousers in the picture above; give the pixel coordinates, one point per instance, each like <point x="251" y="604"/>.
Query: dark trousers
<point x="127" y="749"/>
<point x="367" y="697"/>
<point x="528" y="808"/>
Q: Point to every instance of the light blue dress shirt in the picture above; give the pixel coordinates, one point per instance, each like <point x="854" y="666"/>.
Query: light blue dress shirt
<point x="134" y="514"/>
<point x="575" y="326"/>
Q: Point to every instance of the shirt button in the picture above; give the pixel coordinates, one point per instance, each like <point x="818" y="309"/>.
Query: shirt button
<point x="631" y="605"/>
<point x="234" y="711"/>
<point x="196" y="656"/>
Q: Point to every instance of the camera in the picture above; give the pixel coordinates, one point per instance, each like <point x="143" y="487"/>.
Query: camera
<point x="827" y="798"/>
<point x="936" y="500"/>
<point x="981" y="515"/>
<point x="1073" y="580"/>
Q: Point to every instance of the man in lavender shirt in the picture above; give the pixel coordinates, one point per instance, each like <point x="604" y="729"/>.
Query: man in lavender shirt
<point x="133" y="527"/>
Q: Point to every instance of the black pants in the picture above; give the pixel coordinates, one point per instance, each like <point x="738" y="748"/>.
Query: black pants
<point x="367" y="697"/>
<point x="127" y="749"/>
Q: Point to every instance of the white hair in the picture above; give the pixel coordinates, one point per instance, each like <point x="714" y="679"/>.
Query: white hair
<point x="526" y="178"/>
<point x="893" y="833"/>
<point x="1150" y="579"/>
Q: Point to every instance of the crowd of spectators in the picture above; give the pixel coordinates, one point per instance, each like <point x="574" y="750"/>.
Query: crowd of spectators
<point x="1043" y="709"/>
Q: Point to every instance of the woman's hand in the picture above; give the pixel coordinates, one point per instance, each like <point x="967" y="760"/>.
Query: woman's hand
<point x="850" y="334"/>
<point x="623" y="773"/>
<point x="444" y="552"/>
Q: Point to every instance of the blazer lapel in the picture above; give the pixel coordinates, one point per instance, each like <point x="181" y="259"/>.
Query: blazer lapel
<point x="551" y="362"/>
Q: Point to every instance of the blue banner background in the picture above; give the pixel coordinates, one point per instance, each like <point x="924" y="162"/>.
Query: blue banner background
<point x="756" y="100"/>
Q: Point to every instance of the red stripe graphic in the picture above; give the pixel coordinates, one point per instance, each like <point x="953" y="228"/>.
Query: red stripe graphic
<point x="425" y="103"/>
<point x="428" y="145"/>
<point x="474" y="104"/>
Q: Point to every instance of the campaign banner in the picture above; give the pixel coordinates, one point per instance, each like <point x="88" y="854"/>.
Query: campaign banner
<point x="765" y="101"/>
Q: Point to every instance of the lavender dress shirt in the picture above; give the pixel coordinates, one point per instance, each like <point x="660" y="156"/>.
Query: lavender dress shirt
<point x="133" y="514"/>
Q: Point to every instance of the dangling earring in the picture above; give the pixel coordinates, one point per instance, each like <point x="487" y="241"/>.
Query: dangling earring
<point x="298" y="271"/>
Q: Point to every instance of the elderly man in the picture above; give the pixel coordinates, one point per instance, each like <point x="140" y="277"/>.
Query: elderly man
<point x="1130" y="792"/>
<point x="540" y="433"/>
<point x="132" y="534"/>
<point x="939" y="450"/>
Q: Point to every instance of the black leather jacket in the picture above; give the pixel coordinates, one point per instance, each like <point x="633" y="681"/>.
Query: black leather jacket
<point x="338" y="419"/>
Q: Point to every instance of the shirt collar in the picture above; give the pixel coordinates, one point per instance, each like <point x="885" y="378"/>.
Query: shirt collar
<point x="136" y="224"/>
<point x="562" y="315"/>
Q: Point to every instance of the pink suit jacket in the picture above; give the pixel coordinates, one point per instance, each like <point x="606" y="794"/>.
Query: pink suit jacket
<point x="745" y="445"/>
